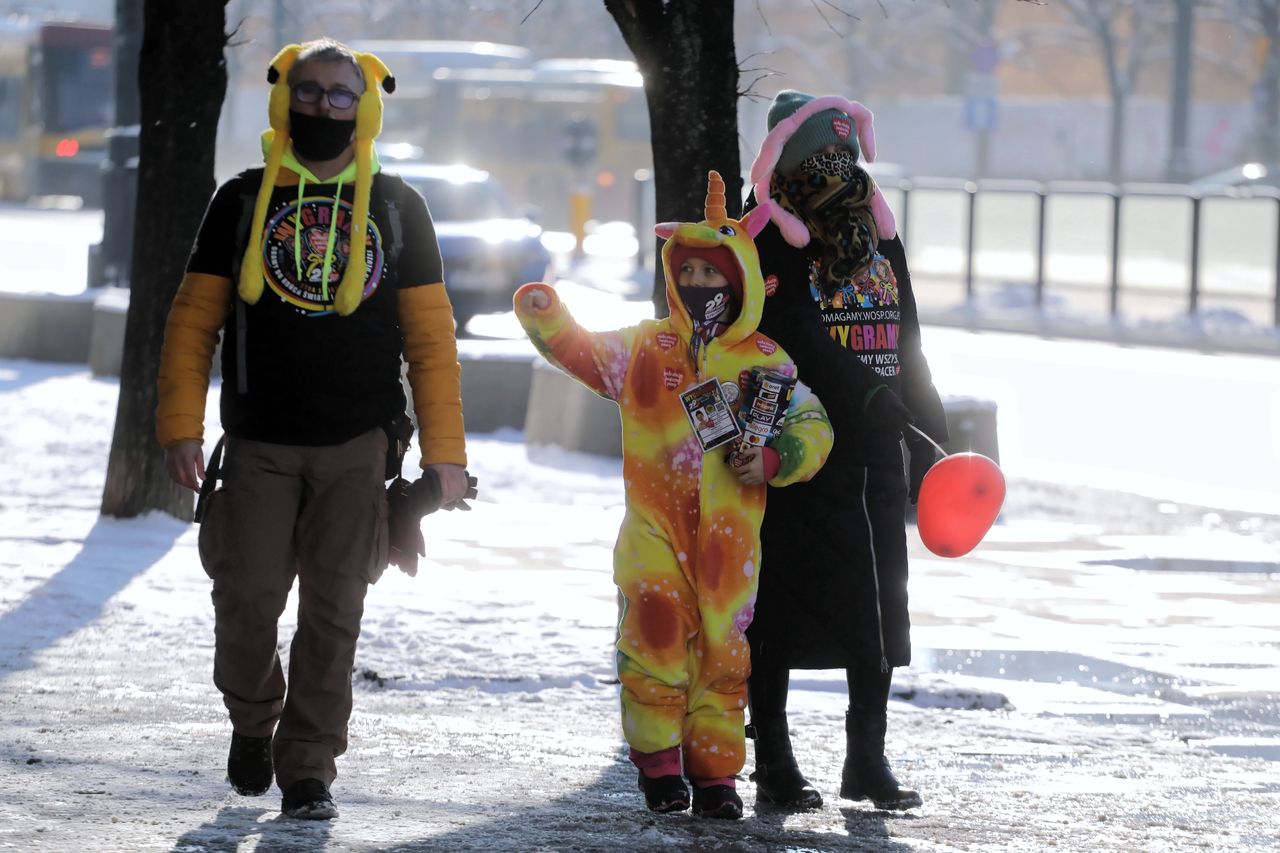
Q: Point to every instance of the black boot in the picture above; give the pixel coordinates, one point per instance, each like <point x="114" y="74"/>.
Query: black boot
<point x="720" y="801"/>
<point x="308" y="799"/>
<point x="249" y="764"/>
<point x="777" y="776"/>
<point x="664" y="793"/>
<point x="866" y="773"/>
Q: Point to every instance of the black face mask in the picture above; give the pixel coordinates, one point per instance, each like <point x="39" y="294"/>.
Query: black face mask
<point x="709" y="304"/>
<point x="316" y="138"/>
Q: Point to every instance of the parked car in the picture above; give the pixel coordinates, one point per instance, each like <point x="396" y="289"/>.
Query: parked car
<point x="488" y="248"/>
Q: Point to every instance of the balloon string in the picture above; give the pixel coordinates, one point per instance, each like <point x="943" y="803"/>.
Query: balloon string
<point x="930" y="440"/>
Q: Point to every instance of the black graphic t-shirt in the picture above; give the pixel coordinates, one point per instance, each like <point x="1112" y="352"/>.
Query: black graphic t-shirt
<point x="294" y="371"/>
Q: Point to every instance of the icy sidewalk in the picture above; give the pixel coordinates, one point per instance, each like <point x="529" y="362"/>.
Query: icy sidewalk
<point x="1063" y="695"/>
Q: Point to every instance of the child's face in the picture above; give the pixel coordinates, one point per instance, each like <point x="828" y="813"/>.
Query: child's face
<point x="699" y="272"/>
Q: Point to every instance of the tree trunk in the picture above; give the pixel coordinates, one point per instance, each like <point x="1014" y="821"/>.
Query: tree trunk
<point x="182" y="82"/>
<point x="1115" y="153"/>
<point x="1179" y="167"/>
<point x="686" y="54"/>
<point x="1119" y="93"/>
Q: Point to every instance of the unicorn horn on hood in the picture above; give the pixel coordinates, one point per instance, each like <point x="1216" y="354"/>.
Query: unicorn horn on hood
<point x="715" y="203"/>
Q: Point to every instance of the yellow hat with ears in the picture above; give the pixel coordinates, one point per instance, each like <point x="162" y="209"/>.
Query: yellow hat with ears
<point x="368" y="126"/>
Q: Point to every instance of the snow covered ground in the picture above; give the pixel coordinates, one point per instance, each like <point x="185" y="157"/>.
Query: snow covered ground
<point x="1101" y="674"/>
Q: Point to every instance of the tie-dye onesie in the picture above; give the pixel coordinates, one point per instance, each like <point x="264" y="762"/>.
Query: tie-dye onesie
<point x="687" y="559"/>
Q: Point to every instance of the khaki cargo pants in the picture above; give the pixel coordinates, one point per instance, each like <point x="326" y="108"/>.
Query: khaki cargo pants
<point x="283" y="511"/>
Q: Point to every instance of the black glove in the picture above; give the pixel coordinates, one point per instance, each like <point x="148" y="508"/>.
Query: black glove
<point x="404" y="529"/>
<point x="885" y="409"/>
<point x="923" y="455"/>
<point x="407" y="503"/>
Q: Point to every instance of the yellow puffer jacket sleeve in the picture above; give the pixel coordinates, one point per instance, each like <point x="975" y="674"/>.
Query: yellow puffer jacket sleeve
<point x="198" y="313"/>
<point x="435" y="378"/>
<point x="806" y="438"/>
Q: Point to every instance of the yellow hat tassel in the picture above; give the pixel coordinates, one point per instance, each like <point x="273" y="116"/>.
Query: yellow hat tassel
<point x="251" y="283"/>
<point x="368" y="126"/>
<point x="351" y="288"/>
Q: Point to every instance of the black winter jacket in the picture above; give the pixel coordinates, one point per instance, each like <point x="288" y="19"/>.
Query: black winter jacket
<point x="833" y="584"/>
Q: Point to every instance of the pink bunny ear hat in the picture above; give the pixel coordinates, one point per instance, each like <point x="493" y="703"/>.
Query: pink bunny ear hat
<point x="793" y="230"/>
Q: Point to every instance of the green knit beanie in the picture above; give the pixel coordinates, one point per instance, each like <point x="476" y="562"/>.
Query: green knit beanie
<point x="829" y="127"/>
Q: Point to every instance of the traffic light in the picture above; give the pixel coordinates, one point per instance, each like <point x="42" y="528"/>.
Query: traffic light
<point x="579" y="141"/>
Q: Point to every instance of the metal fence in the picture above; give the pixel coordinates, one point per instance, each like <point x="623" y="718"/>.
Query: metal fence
<point x="1120" y="198"/>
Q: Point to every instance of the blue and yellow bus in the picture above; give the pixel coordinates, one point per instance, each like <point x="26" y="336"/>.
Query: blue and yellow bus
<point x="56" y="106"/>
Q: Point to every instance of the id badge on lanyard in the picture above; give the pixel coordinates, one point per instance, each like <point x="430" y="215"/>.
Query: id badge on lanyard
<point x="713" y="422"/>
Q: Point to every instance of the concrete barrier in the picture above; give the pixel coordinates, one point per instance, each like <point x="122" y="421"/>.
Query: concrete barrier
<point x="46" y="327"/>
<point x="106" y="337"/>
<point x="564" y="413"/>
<point x="496" y="375"/>
<point x="505" y="384"/>
<point x="972" y="425"/>
<point x="496" y="381"/>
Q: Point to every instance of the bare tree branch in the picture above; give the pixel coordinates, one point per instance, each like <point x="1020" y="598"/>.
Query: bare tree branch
<point x="536" y="7"/>
<point x="842" y="11"/>
<point x="760" y="11"/>
<point x="825" y="20"/>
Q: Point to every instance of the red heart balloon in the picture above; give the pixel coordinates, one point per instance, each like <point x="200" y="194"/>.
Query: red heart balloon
<point x="960" y="498"/>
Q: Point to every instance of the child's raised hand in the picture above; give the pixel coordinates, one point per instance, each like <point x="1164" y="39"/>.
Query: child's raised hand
<point x="748" y="465"/>
<point x="534" y="299"/>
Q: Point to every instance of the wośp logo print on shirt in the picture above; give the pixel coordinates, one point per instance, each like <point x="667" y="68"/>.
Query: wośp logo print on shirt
<point x="875" y="288"/>
<point x="863" y="315"/>
<point x="297" y="278"/>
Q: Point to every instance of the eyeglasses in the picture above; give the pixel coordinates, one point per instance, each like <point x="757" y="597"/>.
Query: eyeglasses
<point x="310" y="93"/>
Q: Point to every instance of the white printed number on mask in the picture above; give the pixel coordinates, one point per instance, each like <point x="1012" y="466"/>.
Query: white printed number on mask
<point x="716" y="306"/>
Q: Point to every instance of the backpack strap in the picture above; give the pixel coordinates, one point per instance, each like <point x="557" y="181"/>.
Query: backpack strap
<point x="212" y="473"/>
<point x="389" y="189"/>
<point x="248" y="199"/>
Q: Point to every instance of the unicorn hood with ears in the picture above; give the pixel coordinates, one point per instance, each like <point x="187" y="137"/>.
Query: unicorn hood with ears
<point x="719" y="236"/>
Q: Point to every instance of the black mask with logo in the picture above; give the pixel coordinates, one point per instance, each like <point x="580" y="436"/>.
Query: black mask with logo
<point x="317" y="138"/>
<point x="709" y="304"/>
<point x="712" y="310"/>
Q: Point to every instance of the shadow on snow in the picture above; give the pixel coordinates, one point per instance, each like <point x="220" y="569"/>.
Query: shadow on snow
<point x="76" y="595"/>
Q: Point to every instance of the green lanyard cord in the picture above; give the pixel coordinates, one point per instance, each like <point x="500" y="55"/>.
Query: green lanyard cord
<point x="297" y="231"/>
<point x="328" y="246"/>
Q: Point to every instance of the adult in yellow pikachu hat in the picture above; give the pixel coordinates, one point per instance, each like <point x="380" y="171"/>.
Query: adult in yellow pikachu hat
<point x="320" y="272"/>
<point x="696" y="463"/>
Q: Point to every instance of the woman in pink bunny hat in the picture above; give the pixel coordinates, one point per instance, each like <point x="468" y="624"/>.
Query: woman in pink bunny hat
<point x="833" y="587"/>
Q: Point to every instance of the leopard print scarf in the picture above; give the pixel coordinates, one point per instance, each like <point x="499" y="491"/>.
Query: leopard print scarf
<point x="831" y="194"/>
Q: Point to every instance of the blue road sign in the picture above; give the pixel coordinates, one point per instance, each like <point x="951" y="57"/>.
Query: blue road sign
<point x="979" y="114"/>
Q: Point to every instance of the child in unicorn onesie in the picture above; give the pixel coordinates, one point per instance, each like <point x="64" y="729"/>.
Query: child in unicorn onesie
<point x="687" y="559"/>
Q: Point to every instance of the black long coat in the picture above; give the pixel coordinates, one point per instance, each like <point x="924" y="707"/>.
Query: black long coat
<point x="833" y="582"/>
